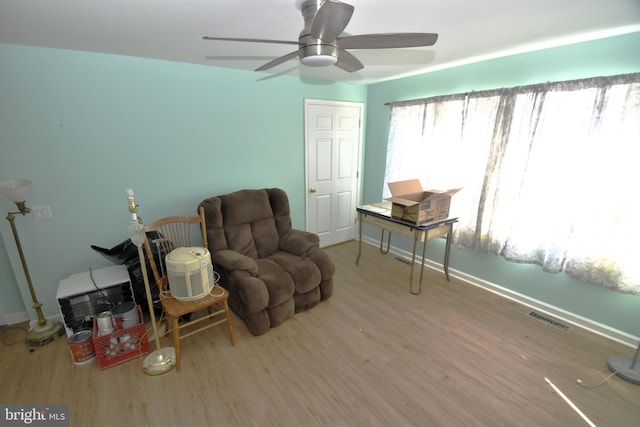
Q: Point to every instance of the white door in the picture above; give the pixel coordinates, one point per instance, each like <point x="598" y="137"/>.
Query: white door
<point x="333" y="133"/>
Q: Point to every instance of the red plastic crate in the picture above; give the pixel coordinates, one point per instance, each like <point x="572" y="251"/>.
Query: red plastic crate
<point x="120" y="345"/>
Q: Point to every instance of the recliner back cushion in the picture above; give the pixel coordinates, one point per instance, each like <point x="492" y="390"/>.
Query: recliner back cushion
<point x="280" y="207"/>
<point x="256" y="240"/>
<point x="245" y="207"/>
<point x="214" y="224"/>
<point x="249" y="223"/>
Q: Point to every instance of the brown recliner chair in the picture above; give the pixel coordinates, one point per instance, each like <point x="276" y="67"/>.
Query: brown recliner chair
<point x="270" y="270"/>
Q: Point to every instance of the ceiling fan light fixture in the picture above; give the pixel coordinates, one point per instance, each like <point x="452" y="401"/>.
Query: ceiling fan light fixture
<point x="319" y="55"/>
<point x="319" y="60"/>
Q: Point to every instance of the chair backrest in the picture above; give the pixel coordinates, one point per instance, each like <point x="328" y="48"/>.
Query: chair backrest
<point x="247" y="221"/>
<point x="174" y="232"/>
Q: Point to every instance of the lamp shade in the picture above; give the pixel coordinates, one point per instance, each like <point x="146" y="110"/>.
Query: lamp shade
<point x="15" y="189"/>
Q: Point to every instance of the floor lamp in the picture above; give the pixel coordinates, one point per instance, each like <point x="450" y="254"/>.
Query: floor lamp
<point x="162" y="359"/>
<point x="44" y="332"/>
<point x="626" y="368"/>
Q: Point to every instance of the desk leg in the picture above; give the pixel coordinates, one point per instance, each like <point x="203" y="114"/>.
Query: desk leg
<point x="413" y="261"/>
<point x="447" y="250"/>
<point x="424" y="254"/>
<point x="385" y="251"/>
<point x="359" y="239"/>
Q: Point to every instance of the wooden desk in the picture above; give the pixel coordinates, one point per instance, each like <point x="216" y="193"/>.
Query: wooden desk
<point x="379" y="215"/>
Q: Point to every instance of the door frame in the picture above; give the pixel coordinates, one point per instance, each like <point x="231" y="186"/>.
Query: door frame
<point x="332" y="103"/>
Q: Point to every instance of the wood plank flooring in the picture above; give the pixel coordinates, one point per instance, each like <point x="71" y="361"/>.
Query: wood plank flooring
<point x="372" y="355"/>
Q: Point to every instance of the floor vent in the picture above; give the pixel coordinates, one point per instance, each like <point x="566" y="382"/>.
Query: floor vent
<point x="549" y="321"/>
<point x="403" y="260"/>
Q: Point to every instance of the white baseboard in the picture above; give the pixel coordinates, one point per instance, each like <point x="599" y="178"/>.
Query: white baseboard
<point x="572" y="318"/>
<point x="12" y="319"/>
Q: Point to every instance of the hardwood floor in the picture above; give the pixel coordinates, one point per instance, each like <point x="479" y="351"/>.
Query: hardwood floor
<point x="372" y="355"/>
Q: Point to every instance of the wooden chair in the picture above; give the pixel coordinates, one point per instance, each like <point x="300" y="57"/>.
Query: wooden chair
<point x="176" y="232"/>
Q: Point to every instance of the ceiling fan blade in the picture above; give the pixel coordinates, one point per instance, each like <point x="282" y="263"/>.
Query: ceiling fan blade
<point x="233" y="39"/>
<point x="387" y="41"/>
<point x="348" y="62"/>
<point x="278" y="61"/>
<point x="331" y="20"/>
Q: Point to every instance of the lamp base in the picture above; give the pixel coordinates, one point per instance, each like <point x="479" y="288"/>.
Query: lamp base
<point x="622" y="368"/>
<point x="159" y="361"/>
<point x="44" y="334"/>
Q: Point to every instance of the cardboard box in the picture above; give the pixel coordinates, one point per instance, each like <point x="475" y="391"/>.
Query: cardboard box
<point x="411" y="204"/>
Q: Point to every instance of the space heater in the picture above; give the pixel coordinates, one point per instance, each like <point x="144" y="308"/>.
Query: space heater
<point x="190" y="273"/>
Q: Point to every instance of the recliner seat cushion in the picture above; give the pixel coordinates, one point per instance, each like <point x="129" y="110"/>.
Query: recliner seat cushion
<point x="279" y="283"/>
<point x="305" y="274"/>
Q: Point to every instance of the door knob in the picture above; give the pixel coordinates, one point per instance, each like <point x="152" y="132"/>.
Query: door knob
<point x="312" y="190"/>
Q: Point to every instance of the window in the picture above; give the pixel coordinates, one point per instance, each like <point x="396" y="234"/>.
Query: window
<point x="549" y="172"/>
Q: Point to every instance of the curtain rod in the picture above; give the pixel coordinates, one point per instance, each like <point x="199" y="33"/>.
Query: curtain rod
<point x="586" y="82"/>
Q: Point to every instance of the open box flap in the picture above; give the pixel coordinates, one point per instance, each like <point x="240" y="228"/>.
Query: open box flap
<point x="410" y="199"/>
<point x="400" y="188"/>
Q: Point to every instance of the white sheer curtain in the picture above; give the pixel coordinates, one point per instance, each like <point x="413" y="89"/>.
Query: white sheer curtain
<point x="550" y="172"/>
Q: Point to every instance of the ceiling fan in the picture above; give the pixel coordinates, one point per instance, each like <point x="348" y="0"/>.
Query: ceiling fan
<point x="320" y="43"/>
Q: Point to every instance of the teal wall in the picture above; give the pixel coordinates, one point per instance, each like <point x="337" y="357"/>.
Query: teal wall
<point x="10" y="301"/>
<point x="83" y="127"/>
<point x="615" y="55"/>
<point x="86" y="126"/>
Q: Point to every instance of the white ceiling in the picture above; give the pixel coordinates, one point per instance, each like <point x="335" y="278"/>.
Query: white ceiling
<point x="172" y="30"/>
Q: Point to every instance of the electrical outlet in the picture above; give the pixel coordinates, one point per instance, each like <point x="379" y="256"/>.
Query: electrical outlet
<point x="42" y="212"/>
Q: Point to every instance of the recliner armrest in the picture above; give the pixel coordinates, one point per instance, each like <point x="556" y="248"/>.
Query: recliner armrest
<point x="299" y="242"/>
<point x="232" y="260"/>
